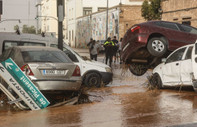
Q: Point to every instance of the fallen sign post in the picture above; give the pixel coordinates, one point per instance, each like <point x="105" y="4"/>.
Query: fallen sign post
<point x="22" y="86"/>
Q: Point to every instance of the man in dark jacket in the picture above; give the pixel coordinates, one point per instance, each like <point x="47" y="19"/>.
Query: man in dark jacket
<point x="115" y="48"/>
<point x="109" y="50"/>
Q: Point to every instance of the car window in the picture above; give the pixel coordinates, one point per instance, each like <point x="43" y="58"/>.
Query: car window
<point x="176" y="56"/>
<point x="9" y="44"/>
<point x="70" y="55"/>
<point x="33" y="44"/>
<point x="189" y="29"/>
<point x="189" y="53"/>
<point x="169" y="25"/>
<point x="45" y="56"/>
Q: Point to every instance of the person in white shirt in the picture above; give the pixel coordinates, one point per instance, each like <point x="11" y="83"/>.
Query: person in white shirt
<point x="94" y="50"/>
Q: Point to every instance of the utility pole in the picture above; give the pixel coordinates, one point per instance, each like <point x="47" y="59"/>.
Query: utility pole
<point x="60" y="15"/>
<point x="107" y="20"/>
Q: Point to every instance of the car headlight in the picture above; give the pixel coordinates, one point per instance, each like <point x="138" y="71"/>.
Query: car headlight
<point x="108" y="69"/>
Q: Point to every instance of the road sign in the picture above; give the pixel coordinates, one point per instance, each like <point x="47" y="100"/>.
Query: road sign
<point x="22" y="85"/>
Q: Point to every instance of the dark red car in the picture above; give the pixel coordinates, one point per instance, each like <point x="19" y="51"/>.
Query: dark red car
<point x="144" y="44"/>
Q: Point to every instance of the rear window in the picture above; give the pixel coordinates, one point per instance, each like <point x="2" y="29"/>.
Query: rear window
<point x="8" y="44"/>
<point x="45" y="56"/>
<point x="189" y="29"/>
<point x="168" y="25"/>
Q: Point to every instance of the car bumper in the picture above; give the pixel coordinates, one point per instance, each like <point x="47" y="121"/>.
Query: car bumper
<point x="106" y="77"/>
<point x="132" y="45"/>
<point x="45" y="85"/>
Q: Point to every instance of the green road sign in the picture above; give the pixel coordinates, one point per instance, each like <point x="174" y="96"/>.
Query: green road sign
<point x="27" y="90"/>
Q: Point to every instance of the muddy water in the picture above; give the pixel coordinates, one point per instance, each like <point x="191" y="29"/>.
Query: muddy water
<point x="124" y="102"/>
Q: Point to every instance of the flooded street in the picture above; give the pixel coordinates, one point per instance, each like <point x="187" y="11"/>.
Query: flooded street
<point x="125" y="102"/>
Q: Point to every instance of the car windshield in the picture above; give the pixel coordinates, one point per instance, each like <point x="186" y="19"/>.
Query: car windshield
<point x="45" y="56"/>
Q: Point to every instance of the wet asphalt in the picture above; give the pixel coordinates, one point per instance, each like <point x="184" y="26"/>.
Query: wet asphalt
<point x="126" y="102"/>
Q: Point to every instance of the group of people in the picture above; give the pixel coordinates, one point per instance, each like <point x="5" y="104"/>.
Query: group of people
<point x="112" y="49"/>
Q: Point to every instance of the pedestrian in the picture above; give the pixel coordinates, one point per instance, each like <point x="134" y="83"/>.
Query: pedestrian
<point x="109" y="50"/>
<point x="94" y="50"/>
<point x="89" y="43"/>
<point x="120" y="49"/>
<point x="115" y="41"/>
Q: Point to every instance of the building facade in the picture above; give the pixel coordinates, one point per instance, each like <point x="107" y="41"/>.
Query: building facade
<point x="182" y="11"/>
<point x="81" y="8"/>
<point x="49" y="19"/>
<point x="120" y="19"/>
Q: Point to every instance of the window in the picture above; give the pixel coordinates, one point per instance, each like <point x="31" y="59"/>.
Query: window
<point x="172" y="26"/>
<point x="87" y="10"/>
<point x="189" y="29"/>
<point x="7" y="44"/>
<point x="189" y="53"/>
<point x="176" y="56"/>
<point x="101" y="8"/>
<point x="70" y="55"/>
<point x="45" y="56"/>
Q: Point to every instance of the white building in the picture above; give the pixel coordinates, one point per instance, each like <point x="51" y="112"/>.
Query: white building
<point x="13" y="10"/>
<point x="78" y="8"/>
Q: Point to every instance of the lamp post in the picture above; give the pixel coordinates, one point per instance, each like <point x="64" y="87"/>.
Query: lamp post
<point x="107" y="20"/>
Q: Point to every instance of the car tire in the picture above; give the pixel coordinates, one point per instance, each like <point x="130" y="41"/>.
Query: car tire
<point x="93" y="79"/>
<point x="157" y="46"/>
<point x="138" y="69"/>
<point x="156" y="81"/>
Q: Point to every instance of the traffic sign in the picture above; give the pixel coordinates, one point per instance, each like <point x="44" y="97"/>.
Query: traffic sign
<point x="22" y="85"/>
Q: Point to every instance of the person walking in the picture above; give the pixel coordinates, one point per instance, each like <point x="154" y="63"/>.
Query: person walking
<point x="115" y="41"/>
<point x="109" y="50"/>
<point x="94" y="50"/>
<point x="89" y="45"/>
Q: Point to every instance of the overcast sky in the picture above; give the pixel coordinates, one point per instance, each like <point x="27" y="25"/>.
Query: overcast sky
<point x="24" y="10"/>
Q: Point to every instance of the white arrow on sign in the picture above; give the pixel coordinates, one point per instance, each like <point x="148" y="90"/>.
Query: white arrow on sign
<point x="7" y="65"/>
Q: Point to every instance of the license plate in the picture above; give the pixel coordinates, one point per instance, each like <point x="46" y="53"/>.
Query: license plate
<point x="54" y="72"/>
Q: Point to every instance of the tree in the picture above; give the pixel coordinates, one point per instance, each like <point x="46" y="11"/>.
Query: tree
<point x="30" y="29"/>
<point x="150" y="9"/>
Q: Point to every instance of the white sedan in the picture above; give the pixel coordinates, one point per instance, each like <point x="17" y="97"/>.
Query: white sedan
<point x="180" y="68"/>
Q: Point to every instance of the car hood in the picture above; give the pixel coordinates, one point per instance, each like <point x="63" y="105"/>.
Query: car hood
<point x="96" y="63"/>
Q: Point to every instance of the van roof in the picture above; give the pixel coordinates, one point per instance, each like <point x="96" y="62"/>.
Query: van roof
<point x="26" y="37"/>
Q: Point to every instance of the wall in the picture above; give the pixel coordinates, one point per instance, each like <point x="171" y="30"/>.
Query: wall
<point x="180" y="11"/>
<point x="121" y="18"/>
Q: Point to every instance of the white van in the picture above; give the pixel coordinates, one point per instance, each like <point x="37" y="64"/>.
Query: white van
<point x="8" y="39"/>
<point x="93" y="73"/>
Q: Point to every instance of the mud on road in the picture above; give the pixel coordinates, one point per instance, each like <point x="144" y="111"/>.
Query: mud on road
<point x="125" y="102"/>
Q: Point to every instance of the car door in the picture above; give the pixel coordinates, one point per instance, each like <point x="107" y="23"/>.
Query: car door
<point x="171" y="69"/>
<point x="186" y="67"/>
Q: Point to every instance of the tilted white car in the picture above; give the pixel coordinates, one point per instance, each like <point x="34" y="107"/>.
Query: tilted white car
<point x="180" y="68"/>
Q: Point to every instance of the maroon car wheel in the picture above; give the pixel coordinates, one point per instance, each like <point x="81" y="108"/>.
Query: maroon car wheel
<point x="138" y="69"/>
<point x="157" y="46"/>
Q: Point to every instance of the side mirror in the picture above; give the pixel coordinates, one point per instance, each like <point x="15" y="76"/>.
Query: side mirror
<point x="163" y="60"/>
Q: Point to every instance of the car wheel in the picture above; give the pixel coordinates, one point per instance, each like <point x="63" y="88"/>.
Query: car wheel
<point x="138" y="69"/>
<point x="93" y="79"/>
<point x="156" y="81"/>
<point x="157" y="46"/>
